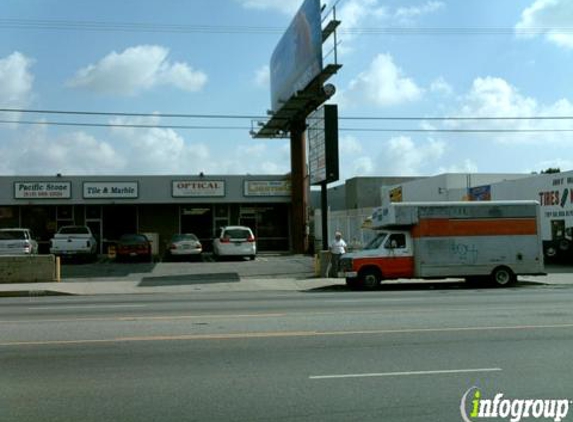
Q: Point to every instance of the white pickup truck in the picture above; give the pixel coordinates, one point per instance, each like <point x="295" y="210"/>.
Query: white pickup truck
<point x="74" y="241"/>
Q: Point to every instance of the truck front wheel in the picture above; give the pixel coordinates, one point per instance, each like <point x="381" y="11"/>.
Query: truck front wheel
<point x="503" y="277"/>
<point x="370" y="279"/>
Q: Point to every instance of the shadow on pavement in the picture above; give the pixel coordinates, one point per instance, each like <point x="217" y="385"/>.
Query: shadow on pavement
<point x="105" y="269"/>
<point x="187" y="279"/>
<point x="390" y="287"/>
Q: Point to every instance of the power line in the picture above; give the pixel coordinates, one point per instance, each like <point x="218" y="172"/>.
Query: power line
<point x="255" y="117"/>
<point x="214" y="127"/>
<point x="79" y="25"/>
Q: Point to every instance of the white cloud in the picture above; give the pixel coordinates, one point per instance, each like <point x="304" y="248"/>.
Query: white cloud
<point x="137" y="69"/>
<point x="349" y="145"/>
<point x="35" y="152"/>
<point x="543" y="15"/>
<point x="16" y="80"/>
<point x="382" y="84"/>
<point x="404" y="157"/>
<point x="263" y="77"/>
<point x="560" y="163"/>
<point x="495" y="97"/>
<point x="440" y="86"/>
<point x="284" y="6"/>
<point x="467" y="166"/>
<point x="408" y="14"/>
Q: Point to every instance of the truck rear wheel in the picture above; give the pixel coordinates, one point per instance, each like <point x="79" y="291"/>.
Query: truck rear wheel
<point x="370" y="279"/>
<point x="503" y="277"/>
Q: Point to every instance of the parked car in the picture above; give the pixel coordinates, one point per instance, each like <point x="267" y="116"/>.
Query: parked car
<point x="235" y="241"/>
<point x="185" y="245"/>
<point x="74" y="241"/>
<point x="133" y="246"/>
<point x="17" y="242"/>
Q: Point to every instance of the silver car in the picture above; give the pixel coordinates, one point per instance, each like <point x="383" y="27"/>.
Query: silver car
<point x="235" y="241"/>
<point x="184" y="245"/>
<point x="17" y="242"/>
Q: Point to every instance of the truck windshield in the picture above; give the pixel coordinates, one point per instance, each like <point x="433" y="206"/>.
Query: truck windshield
<point x="376" y="242"/>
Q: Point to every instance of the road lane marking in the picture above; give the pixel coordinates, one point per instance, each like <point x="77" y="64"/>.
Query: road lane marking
<point x="279" y="334"/>
<point x="58" y="307"/>
<point x="142" y="318"/>
<point x="402" y="374"/>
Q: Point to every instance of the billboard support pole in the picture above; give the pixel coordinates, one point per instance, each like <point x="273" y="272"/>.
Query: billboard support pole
<point x="324" y="214"/>
<point x="299" y="180"/>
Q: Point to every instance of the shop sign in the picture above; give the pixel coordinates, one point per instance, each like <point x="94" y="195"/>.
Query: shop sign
<point x="197" y="188"/>
<point x="111" y="190"/>
<point x="42" y="190"/>
<point x="267" y="188"/>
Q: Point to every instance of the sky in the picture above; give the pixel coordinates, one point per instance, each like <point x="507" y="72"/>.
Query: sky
<point x="422" y="58"/>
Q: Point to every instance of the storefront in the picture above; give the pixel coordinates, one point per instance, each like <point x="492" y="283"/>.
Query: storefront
<point x="159" y="206"/>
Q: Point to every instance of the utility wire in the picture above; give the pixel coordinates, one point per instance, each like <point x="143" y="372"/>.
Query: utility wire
<point x="78" y="25"/>
<point x="254" y="117"/>
<point x="348" y="129"/>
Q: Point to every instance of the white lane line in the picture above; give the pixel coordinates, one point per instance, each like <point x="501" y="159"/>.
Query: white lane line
<point x="33" y="308"/>
<point x="402" y="374"/>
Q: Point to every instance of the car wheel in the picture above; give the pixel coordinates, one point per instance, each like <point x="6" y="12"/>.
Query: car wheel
<point x="550" y="251"/>
<point x="370" y="279"/>
<point x="252" y="257"/>
<point x="503" y="277"/>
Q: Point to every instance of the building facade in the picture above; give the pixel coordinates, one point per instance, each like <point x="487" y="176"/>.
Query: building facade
<point x="159" y="206"/>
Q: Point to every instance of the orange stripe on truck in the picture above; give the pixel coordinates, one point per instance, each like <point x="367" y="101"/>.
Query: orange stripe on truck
<point x="440" y="227"/>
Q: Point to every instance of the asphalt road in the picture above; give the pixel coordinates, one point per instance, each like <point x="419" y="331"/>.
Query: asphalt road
<point x="405" y="355"/>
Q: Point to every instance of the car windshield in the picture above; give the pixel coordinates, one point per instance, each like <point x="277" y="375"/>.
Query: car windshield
<point x="376" y="242"/>
<point x="74" y="230"/>
<point x="12" y="235"/>
<point x="237" y="233"/>
<point x="184" y="237"/>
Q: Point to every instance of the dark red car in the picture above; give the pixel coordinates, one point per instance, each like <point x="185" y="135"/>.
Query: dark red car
<point x="133" y="246"/>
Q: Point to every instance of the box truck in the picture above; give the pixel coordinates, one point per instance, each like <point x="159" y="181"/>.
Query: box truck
<point x="478" y="241"/>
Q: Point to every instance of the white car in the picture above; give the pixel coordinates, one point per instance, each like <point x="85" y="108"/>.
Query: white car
<point x="17" y="242"/>
<point x="235" y="241"/>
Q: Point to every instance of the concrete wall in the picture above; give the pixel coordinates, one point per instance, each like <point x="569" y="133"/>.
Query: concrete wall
<point x="27" y="269"/>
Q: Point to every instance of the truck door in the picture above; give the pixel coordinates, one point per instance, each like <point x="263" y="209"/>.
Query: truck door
<point x="400" y="253"/>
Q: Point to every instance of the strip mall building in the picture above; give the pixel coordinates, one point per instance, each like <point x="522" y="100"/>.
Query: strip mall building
<point x="156" y="205"/>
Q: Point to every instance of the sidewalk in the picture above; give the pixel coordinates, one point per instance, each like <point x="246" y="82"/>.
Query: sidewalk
<point x="199" y="284"/>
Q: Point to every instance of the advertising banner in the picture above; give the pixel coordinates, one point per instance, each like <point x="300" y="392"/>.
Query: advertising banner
<point x="267" y="188"/>
<point x="297" y="58"/>
<point x="480" y="193"/>
<point x="114" y="190"/>
<point x="42" y="190"/>
<point x="198" y="188"/>
<point x="323" y="145"/>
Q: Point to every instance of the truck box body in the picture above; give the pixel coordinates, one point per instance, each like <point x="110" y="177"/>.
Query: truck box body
<point x="451" y="239"/>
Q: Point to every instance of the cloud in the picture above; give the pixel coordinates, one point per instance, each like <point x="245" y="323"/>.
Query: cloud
<point x="467" y="166"/>
<point x="406" y="15"/>
<point x="349" y="145"/>
<point x="34" y="152"/>
<point x="16" y="80"/>
<point x="383" y="84"/>
<point x="263" y="77"/>
<point x="137" y="69"/>
<point x="284" y="6"/>
<point x="440" y="86"/>
<point x="404" y="157"/>
<point x="542" y="15"/>
<point x="495" y="97"/>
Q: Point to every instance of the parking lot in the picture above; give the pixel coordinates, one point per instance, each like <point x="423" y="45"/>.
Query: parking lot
<point x="265" y="266"/>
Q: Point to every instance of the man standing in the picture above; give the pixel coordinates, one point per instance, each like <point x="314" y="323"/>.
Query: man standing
<point x="337" y="248"/>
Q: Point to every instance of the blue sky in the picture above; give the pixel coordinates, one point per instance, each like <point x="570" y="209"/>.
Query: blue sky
<point x="472" y="73"/>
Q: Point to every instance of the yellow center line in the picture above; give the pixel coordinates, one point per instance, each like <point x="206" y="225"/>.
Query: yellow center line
<point x="280" y="334"/>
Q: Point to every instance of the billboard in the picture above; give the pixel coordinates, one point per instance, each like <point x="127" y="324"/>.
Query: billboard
<point x="323" y="145"/>
<point x="480" y="193"/>
<point x="297" y="58"/>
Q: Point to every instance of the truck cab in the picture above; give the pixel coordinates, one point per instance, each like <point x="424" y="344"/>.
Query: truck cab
<point x="389" y="255"/>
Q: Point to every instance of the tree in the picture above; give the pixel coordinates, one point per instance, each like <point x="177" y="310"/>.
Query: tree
<point x="551" y="170"/>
